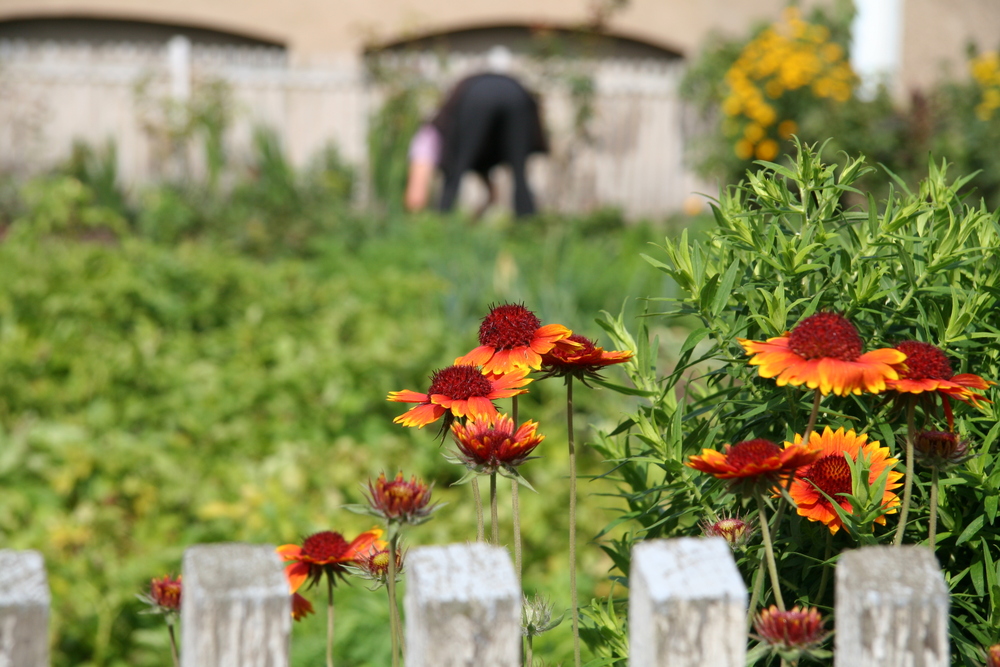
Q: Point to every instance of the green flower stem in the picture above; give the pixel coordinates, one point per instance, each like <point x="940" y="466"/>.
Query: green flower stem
<point x="904" y="511"/>
<point x="528" y="658"/>
<point x="932" y="530"/>
<point x="765" y="533"/>
<point x="329" y="620"/>
<point x="758" y="583"/>
<point x="825" y="578"/>
<point x="173" y="643"/>
<point x="572" y="521"/>
<point x="390" y="583"/>
<point x="480" y="528"/>
<point x="516" y="509"/>
<point x="812" y="418"/>
<point x="494" y="517"/>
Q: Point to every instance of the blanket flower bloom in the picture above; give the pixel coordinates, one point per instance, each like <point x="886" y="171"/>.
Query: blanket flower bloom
<point x="927" y="369"/>
<point x="400" y="501"/>
<point x="459" y="391"/>
<point x="824" y="351"/>
<point x="993" y="656"/>
<point x="489" y="445"/>
<point x="753" y="461"/>
<point x="325" y="552"/>
<point x="798" y="629"/>
<point x="511" y="338"/>
<point x="582" y="362"/>
<point x="301" y="607"/>
<point x="733" y="529"/>
<point x="164" y="596"/>
<point x="831" y="473"/>
<point x="940" y="449"/>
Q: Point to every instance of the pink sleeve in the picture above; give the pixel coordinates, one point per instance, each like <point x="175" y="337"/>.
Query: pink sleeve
<point x="425" y="145"/>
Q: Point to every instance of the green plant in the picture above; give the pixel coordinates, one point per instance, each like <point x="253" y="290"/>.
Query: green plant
<point x="919" y="266"/>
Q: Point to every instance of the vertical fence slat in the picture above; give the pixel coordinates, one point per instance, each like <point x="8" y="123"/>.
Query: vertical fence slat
<point x="24" y="609"/>
<point x="687" y="605"/>
<point x="892" y="609"/>
<point x="463" y="607"/>
<point x="236" y="610"/>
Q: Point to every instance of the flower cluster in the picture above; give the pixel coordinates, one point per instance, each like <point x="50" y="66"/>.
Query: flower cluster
<point x="789" y="57"/>
<point x="985" y="70"/>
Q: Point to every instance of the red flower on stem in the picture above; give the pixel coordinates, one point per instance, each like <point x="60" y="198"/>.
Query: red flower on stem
<point x="325" y="552"/>
<point x="512" y="338"/>
<point x="458" y="391"/>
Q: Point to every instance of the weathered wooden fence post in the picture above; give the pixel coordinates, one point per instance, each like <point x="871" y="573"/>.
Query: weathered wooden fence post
<point x="892" y="609"/>
<point x="463" y="607"/>
<point x="235" y="609"/>
<point x="687" y="605"/>
<point x="24" y="609"/>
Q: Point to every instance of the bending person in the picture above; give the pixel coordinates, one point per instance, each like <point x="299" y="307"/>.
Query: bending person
<point x="487" y="120"/>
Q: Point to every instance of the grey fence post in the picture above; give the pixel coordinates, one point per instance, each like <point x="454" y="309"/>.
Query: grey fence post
<point x="463" y="607"/>
<point x="687" y="605"/>
<point x="235" y="607"/>
<point x="24" y="609"/>
<point x="892" y="609"/>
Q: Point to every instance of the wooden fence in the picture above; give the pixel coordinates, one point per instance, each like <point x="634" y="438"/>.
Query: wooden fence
<point x="687" y="607"/>
<point x="53" y="93"/>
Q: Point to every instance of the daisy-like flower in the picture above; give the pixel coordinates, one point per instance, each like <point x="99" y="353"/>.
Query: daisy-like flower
<point x="799" y="629"/>
<point x="512" y="338"/>
<point x="993" y="656"/>
<point x="325" y="552"/>
<point x="400" y="501"/>
<point x="582" y="362"/>
<point x="733" y="529"/>
<point x="374" y="565"/>
<point x="490" y="445"/>
<point x="753" y="461"/>
<point x="164" y="596"/>
<point x="927" y="369"/>
<point x="831" y="473"/>
<point x="459" y="391"/>
<point x="824" y="351"/>
<point x="301" y="607"/>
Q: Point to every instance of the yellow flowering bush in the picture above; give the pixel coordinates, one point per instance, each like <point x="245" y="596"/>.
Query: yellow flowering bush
<point x="787" y="61"/>
<point x="985" y="70"/>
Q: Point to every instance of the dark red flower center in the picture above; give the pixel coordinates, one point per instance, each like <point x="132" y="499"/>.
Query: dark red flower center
<point x="924" y="361"/>
<point x="826" y="335"/>
<point x="831" y="474"/>
<point x="460" y="383"/>
<point x="508" y="326"/>
<point x="326" y="545"/>
<point x="751" y="452"/>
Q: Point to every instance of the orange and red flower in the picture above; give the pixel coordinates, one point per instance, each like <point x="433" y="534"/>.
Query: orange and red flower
<point x="512" y="338"/>
<point x="798" y="629"/>
<point x="301" y="607"/>
<point x="325" y="552"/>
<point x="993" y="656"/>
<point x="581" y="362"/>
<point x="831" y="473"/>
<point x="164" y="595"/>
<point x="733" y="529"/>
<point x="824" y="351"/>
<point x="753" y="460"/>
<point x="399" y="500"/>
<point x="459" y="391"/>
<point x="927" y="369"/>
<point x="491" y="444"/>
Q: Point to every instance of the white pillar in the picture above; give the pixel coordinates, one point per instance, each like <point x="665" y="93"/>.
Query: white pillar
<point x="179" y="65"/>
<point x="24" y="609"/>
<point x="687" y="605"/>
<point x="876" y="45"/>
<point x="463" y="607"/>
<point x="892" y="609"/>
<point x="235" y="607"/>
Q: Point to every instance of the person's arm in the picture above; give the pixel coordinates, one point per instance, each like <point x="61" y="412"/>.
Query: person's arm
<point x="425" y="149"/>
<point x="418" y="185"/>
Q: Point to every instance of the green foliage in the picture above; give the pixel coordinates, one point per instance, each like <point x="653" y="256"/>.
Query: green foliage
<point x="157" y="396"/>
<point x="918" y="266"/>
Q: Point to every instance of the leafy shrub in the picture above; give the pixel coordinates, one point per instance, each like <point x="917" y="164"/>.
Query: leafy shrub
<point x="918" y="266"/>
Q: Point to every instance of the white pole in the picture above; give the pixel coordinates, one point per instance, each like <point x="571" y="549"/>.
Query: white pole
<point x="24" y="609"/>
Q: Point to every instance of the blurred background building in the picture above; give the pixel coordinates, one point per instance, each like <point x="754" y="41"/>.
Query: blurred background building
<point x="317" y="73"/>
